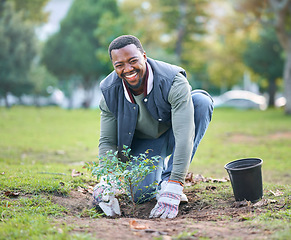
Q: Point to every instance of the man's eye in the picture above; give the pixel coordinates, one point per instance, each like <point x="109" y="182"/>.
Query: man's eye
<point x="118" y="66"/>
<point x="133" y="61"/>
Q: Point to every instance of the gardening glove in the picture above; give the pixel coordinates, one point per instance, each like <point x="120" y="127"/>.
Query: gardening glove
<point x="162" y="187"/>
<point x="168" y="202"/>
<point x="104" y="196"/>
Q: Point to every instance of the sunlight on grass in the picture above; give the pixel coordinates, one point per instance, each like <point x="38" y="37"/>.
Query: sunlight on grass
<point x="48" y="134"/>
<point x="235" y="134"/>
<point x="38" y="178"/>
<point x="29" y="205"/>
<point x="39" y="147"/>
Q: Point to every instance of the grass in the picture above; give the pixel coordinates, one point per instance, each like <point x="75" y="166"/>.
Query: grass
<point x="39" y="147"/>
<point x="48" y="134"/>
<point x="235" y="134"/>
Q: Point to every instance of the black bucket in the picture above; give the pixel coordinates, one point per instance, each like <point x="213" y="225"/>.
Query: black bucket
<point x="246" y="179"/>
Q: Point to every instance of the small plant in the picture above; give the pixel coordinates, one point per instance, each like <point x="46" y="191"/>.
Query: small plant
<point x="125" y="176"/>
<point x="90" y="213"/>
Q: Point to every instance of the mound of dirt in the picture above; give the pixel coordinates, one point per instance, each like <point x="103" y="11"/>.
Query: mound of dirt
<point x="196" y="219"/>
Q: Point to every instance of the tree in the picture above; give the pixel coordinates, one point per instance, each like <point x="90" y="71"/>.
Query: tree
<point x="264" y="57"/>
<point x="186" y="29"/>
<point x="135" y="18"/>
<point x="225" y="44"/>
<point x="277" y="14"/>
<point x="72" y="51"/>
<point x="41" y="79"/>
<point x="32" y="10"/>
<point x="16" y="53"/>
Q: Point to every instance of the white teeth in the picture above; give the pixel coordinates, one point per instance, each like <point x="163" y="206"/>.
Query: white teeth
<point x="131" y="75"/>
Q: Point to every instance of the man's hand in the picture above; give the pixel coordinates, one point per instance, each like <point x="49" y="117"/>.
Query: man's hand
<point x="104" y="196"/>
<point x="168" y="202"/>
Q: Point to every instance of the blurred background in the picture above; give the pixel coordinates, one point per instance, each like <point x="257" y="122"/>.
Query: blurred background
<point x="54" y="52"/>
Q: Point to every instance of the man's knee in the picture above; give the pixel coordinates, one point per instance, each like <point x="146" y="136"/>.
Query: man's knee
<point x="203" y="102"/>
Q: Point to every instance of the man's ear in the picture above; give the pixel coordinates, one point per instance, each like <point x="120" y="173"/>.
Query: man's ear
<point x="145" y="56"/>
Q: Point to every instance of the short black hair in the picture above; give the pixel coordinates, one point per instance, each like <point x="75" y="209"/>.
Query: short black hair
<point x="123" y="41"/>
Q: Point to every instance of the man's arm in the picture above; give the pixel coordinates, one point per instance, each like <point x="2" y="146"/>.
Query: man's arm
<point x="108" y="130"/>
<point x="183" y="126"/>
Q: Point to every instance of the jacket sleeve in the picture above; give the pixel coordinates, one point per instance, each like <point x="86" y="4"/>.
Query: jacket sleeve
<point x="108" y="129"/>
<point x="182" y="111"/>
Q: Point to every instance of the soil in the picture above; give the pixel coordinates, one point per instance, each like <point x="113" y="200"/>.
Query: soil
<point x="244" y="138"/>
<point x="196" y="219"/>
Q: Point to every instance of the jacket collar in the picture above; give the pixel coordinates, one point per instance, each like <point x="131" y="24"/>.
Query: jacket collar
<point x="148" y="88"/>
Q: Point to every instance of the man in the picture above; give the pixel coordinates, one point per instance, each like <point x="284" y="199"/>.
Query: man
<point x="148" y="104"/>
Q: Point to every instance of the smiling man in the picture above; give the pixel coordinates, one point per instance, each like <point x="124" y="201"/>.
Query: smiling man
<point x="149" y="104"/>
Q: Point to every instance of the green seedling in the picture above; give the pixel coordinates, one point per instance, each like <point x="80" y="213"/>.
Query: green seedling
<point x="126" y="176"/>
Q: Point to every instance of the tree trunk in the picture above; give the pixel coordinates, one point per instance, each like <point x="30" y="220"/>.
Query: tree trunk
<point x="88" y="85"/>
<point x="7" y="105"/>
<point x="282" y="14"/>
<point x="180" y="29"/>
<point x="272" y="91"/>
<point x="36" y="101"/>
<point x="287" y="82"/>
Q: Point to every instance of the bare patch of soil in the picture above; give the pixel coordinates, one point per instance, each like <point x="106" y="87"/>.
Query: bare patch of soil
<point x="196" y="219"/>
<point x="245" y="138"/>
<point x="280" y="135"/>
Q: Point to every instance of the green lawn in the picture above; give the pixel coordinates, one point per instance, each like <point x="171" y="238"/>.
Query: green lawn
<point x="39" y="147"/>
<point x="235" y="134"/>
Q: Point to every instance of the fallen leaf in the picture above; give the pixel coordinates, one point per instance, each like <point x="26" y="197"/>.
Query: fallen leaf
<point x="222" y="180"/>
<point x="239" y="204"/>
<point x="11" y="194"/>
<point x="277" y="193"/>
<point x="263" y="202"/>
<point x="76" y="173"/>
<point x="210" y="188"/>
<point x="90" y="189"/>
<point x="199" y="178"/>
<point x="135" y="225"/>
<point x="189" y="177"/>
<point x="82" y="190"/>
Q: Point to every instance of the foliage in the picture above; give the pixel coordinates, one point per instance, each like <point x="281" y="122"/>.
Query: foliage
<point x="226" y="43"/>
<point x="41" y="79"/>
<point x="186" y="29"/>
<point x="16" y="53"/>
<point x="176" y="36"/>
<point x="126" y="176"/>
<point x="72" y="50"/>
<point x="275" y="14"/>
<point x="32" y="10"/>
<point x="265" y="58"/>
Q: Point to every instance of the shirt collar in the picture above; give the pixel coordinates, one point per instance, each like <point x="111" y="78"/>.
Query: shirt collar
<point x="149" y="85"/>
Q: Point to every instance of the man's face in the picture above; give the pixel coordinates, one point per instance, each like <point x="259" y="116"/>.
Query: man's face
<point x="129" y="64"/>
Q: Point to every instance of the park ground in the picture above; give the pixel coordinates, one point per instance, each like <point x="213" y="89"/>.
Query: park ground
<point x="45" y="193"/>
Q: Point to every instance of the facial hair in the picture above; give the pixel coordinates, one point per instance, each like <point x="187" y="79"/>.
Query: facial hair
<point x="134" y="87"/>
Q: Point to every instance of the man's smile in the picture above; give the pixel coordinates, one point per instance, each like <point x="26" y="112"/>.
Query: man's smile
<point x="130" y="76"/>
